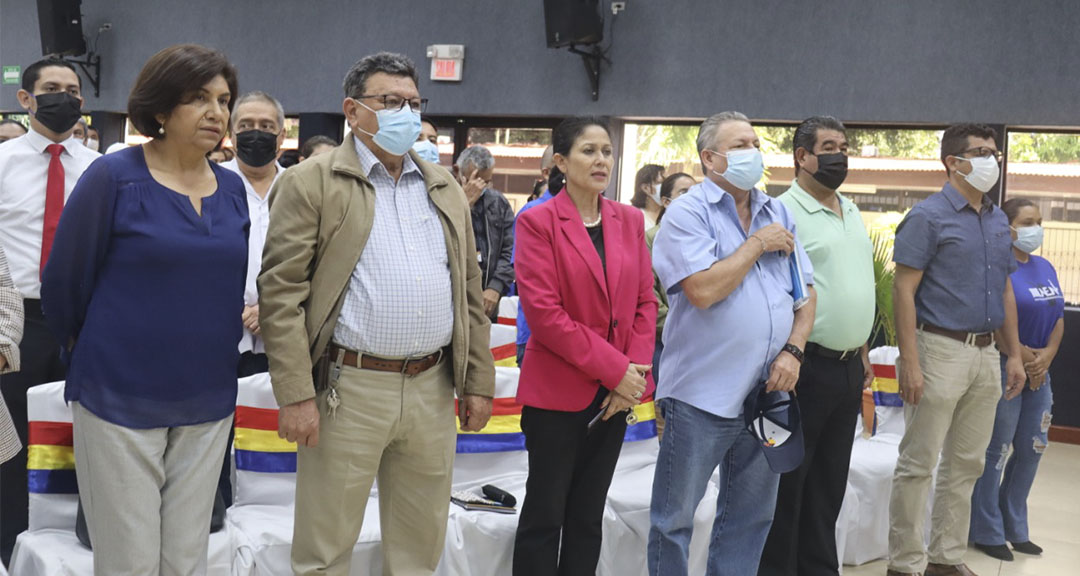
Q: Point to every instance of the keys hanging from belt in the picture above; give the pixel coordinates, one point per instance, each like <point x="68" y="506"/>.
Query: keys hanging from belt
<point x="332" y="398"/>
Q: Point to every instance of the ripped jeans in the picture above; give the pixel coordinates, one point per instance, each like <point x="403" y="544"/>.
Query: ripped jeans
<point x="999" y="504"/>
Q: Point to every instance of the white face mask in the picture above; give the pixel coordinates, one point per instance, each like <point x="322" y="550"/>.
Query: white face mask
<point x="93" y="144"/>
<point x="984" y="173"/>
<point x="656" y="195"/>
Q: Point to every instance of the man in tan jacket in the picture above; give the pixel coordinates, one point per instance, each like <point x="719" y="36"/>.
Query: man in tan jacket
<point x="370" y="255"/>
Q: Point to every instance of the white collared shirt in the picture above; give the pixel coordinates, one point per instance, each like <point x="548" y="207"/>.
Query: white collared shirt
<point x="24" y="174"/>
<point x="259" y="212"/>
<point x="399" y="301"/>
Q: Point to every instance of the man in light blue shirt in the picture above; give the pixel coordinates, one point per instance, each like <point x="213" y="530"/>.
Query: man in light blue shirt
<point x="523" y="332"/>
<point x="723" y="258"/>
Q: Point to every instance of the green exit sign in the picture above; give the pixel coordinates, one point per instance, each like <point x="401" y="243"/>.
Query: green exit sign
<point x="11" y="74"/>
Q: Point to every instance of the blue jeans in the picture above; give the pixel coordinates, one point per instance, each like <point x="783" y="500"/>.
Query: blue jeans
<point x="999" y="505"/>
<point x="694" y="443"/>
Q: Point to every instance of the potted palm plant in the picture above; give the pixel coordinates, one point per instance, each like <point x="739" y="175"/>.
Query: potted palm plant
<point x="884" y="392"/>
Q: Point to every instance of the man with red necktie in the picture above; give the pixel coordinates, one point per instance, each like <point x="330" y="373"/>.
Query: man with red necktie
<point x="37" y="173"/>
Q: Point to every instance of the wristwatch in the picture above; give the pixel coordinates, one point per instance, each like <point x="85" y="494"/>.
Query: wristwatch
<point x="794" y="351"/>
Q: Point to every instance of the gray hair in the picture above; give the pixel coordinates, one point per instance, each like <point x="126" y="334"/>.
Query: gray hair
<point x="263" y="96"/>
<point x="478" y="157"/>
<point x="386" y="62"/>
<point x="707" y="133"/>
<point x="548" y="158"/>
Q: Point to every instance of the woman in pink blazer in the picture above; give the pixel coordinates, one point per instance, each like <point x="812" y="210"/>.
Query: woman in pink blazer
<point x="585" y="281"/>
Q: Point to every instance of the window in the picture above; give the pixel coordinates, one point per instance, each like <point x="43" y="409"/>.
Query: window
<point x="1045" y="168"/>
<point x="24" y="119"/>
<point x="673" y="146"/>
<point x="446" y="146"/>
<point x="292" y="133"/>
<point x="517" y="153"/>
<point x="889" y="169"/>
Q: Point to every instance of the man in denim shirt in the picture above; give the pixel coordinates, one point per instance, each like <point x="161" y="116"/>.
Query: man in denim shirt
<point x="953" y="299"/>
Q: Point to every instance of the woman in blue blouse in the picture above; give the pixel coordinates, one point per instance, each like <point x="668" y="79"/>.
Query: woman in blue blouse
<point x="999" y="504"/>
<point x="145" y="286"/>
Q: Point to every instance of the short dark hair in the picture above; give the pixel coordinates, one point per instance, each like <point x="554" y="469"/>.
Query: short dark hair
<point x="386" y="62"/>
<point x="430" y="121"/>
<point x="289" y="158"/>
<point x="562" y="140"/>
<point x="7" y="121"/>
<point x="955" y="139"/>
<point x="314" y="142"/>
<point x="172" y="77"/>
<point x="33" y="72"/>
<point x="667" y="187"/>
<point x="645" y="175"/>
<point x="1012" y="207"/>
<point x="806" y="134"/>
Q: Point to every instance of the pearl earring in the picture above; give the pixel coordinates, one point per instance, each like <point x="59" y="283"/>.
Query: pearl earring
<point x="161" y="130"/>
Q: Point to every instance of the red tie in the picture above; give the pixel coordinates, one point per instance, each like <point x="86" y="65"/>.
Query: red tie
<point x="54" y="202"/>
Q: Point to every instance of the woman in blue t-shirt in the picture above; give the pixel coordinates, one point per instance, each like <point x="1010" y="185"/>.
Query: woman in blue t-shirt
<point x="999" y="504"/>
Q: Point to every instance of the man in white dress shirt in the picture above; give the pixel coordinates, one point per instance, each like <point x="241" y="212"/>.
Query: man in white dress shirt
<point x="37" y="173"/>
<point x="258" y="129"/>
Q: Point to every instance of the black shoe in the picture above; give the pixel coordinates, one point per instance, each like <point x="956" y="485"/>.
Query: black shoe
<point x="999" y="551"/>
<point x="1027" y="548"/>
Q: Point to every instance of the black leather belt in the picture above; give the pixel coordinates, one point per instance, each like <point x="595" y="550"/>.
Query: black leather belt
<point x="32" y="308"/>
<point x="819" y="350"/>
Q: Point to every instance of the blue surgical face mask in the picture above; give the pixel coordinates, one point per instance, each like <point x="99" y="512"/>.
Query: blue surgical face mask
<point x="427" y="151"/>
<point x="744" y="168"/>
<point x="398" y="129"/>
<point x="1028" y="238"/>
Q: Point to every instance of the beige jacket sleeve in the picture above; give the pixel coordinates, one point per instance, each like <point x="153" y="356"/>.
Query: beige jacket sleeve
<point x="11" y="318"/>
<point x="285" y="285"/>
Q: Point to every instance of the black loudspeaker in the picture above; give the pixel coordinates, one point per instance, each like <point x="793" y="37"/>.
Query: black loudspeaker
<point x="573" y="22"/>
<point x="61" y="27"/>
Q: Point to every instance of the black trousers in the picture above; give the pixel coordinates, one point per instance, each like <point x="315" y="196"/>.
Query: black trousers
<point x="570" y="470"/>
<point x="802" y="540"/>
<point x="40" y="359"/>
<point x="250" y="364"/>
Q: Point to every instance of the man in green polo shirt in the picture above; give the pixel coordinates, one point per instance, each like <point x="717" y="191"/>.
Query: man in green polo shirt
<point x="802" y="540"/>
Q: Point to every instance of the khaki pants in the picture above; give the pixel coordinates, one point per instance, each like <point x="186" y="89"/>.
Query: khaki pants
<point x="953" y="420"/>
<point x="148" y="493"/>
<point x="396" y="427"/>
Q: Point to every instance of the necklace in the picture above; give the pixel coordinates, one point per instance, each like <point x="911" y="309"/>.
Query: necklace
<point x="594" y="223"/>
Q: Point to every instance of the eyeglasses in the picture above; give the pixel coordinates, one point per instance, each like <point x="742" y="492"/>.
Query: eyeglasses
<point x="982" y="152"/>
<point x="395" y="102"/>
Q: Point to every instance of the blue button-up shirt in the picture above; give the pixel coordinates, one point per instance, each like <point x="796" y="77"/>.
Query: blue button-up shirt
<point x="966" y="257"/>
<point x="716" y="356"/>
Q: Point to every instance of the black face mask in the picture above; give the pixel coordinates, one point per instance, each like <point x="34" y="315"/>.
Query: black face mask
<point x="58" y="111"/>
<point x="256" y="148"/>
<point x="831" y="170"/>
